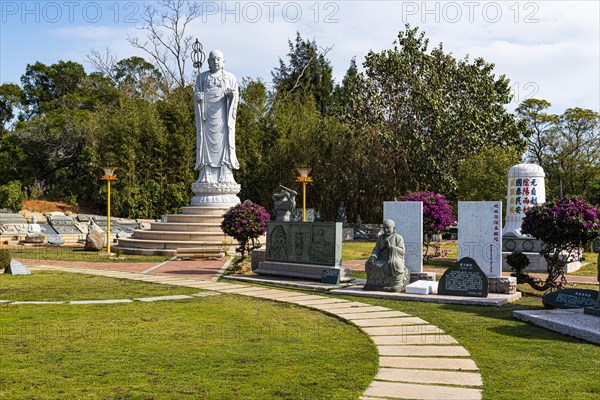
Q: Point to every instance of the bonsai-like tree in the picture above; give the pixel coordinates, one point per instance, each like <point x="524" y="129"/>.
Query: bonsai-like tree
<point x="437" y="217"/>
<point x="564" y="225"/>
<point x="245" y="223"/>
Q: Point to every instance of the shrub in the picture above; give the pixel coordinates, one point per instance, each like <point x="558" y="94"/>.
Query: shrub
<point x="437" y="217"/>
<point x="564" y="226"/>
<point x="246" y="223"/>
<point x="11" y="196"/>
<point x="5" y="258"/>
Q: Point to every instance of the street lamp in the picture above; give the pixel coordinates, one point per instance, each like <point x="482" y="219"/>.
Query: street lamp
<point x="108" y="176"/>
<point x="304" y="178"/>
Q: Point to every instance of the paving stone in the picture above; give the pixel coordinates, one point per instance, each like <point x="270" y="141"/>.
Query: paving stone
<point x="358" y="310"/>
<point x="352" y="304"/>
<point x="283" y="295"/>
<point x="158" y="298"/>
<point x="4" y="301"/>
<point x="322" y="301"/>
<point x="413" y="339"/>
<point x="424" y="376"/>
<point x="298" y="299"/>
<point x="371" y="315"/>
<point x="389" y="321"/>
<point x="113" y="301"/>
<point x="402" y="330"/>
<point x="205" y="294"/>
<point x="242" y="289"/>
<point x="36" y="302"/>
<point x="425" y="350"/>
<point x="459" y="364"/>
<point x="397" y="390"/>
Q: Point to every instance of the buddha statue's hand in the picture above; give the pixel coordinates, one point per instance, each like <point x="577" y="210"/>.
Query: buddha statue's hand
<point x="200" y="97"/>
<point x="229" y="93"/>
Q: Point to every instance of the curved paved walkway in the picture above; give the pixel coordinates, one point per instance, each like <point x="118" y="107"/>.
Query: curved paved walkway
<point x="417" y="360"/>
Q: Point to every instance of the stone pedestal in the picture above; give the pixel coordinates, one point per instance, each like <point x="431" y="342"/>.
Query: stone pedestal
<point x="297" y="270"/>
<point x="530" y="247"/>
<point x="212" y="194"/>
<point x="502" y="284"/>
<point x="592" y="311"/>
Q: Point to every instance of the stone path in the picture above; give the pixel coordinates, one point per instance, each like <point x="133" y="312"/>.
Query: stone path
<point x="417" y="360"/>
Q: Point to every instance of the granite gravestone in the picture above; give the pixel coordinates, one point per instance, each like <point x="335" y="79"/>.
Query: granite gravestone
<point x="479" y="234"/>
<point x="571" y="298"/>
<point x="408" y="216"/>
<point x="464" y="278"/>
<point x="17" y="268"/>
<point x="595" y="311"/>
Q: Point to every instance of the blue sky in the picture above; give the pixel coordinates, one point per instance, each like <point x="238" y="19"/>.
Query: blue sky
<point x="548" y="49"/>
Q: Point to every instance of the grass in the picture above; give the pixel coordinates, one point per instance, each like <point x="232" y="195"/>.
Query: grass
<point x="77" y="254"/>
<point x="217" y="347"/>
<point x="517" y="360"/>
<point x="58" y="286"/>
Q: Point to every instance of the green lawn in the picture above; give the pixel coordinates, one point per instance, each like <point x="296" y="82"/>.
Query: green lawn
<point x="63" y="253"/>
<point x="218" y="347"/>
<point x="517" y="360"/>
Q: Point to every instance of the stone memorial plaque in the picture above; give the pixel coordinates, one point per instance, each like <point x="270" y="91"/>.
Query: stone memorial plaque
<point x="84" y="218"/>
<point x="67" y="230"/>
<point x="12" y="218"/>
<point x="331" y="276"/>
<point x="56" y="220"/>
<point x="302" y="242"/>
<point x="464" y="278"/>
<point x="17" y="268"/>
<point x="408" y="216"/>
<point x="571" y="298"/>
<point x="480" y="234"/>
<point x="48" y="230"/>
<point x="56" y="239"/>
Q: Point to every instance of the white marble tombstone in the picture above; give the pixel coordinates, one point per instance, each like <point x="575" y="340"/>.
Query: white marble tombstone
<point x="479" y="234"/>
<point x="408" y="216"/>
<point x="526" y="188"/>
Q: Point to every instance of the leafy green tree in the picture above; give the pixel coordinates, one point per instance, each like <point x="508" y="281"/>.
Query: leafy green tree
<point x="484" y="176"/>
<point x="10" y="98"/>
<point x="11" y="196"/>
<point x="423" y="113"/>
<point x="566" y="146"/>
<point x="307" y="72"/>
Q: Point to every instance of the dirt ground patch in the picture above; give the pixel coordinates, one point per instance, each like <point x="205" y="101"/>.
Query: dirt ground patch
<point x="47" y="206"/>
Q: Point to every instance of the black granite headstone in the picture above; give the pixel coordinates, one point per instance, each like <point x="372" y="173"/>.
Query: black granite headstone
<point x="571" y="298"/>
<point x="464" y="278"/>
<point x="331" y="276"/>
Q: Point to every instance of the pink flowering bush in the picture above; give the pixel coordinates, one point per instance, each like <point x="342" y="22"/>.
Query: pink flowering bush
<point x="245" y="223"/>
<point x="437" y="217"/>
<point x="564" y="226"/>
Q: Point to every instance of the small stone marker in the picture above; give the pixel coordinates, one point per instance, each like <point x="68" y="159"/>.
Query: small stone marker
<point x="464" y="278"/>
<point x="56" y="239"/>
<point x="422" y="287"/>
<point x="571" y="298"/>
<point x="331" y="276"/>
<point x="17" y="268"/>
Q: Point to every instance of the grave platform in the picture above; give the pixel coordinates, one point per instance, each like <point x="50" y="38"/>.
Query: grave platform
<point x="493" y="299"/>
<point x="572" y="322"/>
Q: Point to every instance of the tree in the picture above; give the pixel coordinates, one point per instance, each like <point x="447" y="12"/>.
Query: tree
<point x="564" y="225"/>
<point x="246" y="223"/>
<point x="428" y="112"/>
<point x="167" y="42"/>
<point x="10" y="98"/>
<point x="308" y="72"/>
<point x="567" y="147"/>
<point x="484" y="176"/>
<point x="437" y="217"/>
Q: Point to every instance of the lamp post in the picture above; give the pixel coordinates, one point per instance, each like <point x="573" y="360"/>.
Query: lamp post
<point x="304" y="178"/>
<point x="108" y="176"/>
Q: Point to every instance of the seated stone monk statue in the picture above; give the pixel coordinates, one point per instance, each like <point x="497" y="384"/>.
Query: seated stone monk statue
<point x="385" y="268"/>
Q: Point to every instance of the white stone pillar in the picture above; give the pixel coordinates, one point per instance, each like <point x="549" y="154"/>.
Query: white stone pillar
<point x="526" y="188"/>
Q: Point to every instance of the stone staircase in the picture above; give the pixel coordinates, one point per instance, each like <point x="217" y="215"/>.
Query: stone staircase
<point x="197" y="228"/>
